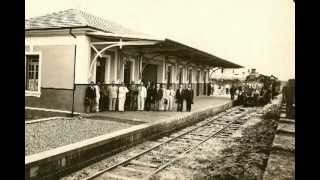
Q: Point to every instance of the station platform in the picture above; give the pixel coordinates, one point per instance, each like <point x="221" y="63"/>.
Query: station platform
<point x="139" y="117"/>
<point x="59" y="161"/>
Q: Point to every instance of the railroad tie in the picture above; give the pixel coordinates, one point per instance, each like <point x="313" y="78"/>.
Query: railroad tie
<point x="180" y="143"/>
<point x="134" y="170"/>
<point x="191" y="139"/>
<point x="140" y="163"/>
<point x="118" y="177"/>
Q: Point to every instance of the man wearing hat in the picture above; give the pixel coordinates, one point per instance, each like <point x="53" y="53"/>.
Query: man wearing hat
<point x="112" y="93"/>
<point x="122" y="96"/>
<point x="90" y="98"/>
<point x="158" y="97"/>
<point x="142" y="94"/>
<point x="133" y="94"/>
<point x="97" y="99"/>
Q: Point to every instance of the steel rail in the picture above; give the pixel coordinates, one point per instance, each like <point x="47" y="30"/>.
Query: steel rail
<point x="154" y="147"/>
<point x="192" y="148"/>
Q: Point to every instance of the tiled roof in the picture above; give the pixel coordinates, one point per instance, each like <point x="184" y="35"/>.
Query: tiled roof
<point x="75" y="18"/>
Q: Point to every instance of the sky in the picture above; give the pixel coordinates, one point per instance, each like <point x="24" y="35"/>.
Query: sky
<point x="253" y="33"/>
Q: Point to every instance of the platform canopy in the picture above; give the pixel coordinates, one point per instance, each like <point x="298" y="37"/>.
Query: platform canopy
<point x="165" y="47"/>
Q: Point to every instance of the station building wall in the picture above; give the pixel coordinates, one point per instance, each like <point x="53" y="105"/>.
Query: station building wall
<point x="58" y="77"/>
<point x="57" y="73"/>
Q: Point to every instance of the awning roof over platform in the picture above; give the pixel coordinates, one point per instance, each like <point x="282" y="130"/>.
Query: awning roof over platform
<point x="198" y="56"/>
<point x="168" y="47"/>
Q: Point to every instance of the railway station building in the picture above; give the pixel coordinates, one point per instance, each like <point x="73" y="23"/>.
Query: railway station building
<point x="66" y="50"/>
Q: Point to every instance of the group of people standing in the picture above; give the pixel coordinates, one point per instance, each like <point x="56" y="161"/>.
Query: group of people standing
<point x="251" y="96"/>
<point x="137" y="97"/>
<point x="218" y="88"/>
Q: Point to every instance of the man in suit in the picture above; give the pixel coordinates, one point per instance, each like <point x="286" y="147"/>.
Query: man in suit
<point x="148" y="98"/>
<point x="122" y="96"/>
<point x="232" y="91"/>
<point x="151" y="93"/>
<point x="103" y="97"/>
<point x="97" y="99"/>
<point x="180" y="98"/>
<point x="170" y="94"/>
<point x="133" y="94"/>
<point x="158" y="97"/>
<point x="142" y="94"/>
<point x="189" y="97"/>
<point x="113" y="94"/>
<point x="90" y="97"/>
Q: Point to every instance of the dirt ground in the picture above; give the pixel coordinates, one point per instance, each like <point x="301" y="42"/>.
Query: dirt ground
<point x="243" y="156"/>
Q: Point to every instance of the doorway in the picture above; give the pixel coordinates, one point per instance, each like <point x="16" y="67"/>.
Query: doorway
<point x="150" y="73"/>
<point x="204" y="83"/>
<point x="198" y="83"/>
<point x="169" y="74"/>
<point x="127" y="72"/>
<point x="100" y="70"/>
<point x="180" y="75"/>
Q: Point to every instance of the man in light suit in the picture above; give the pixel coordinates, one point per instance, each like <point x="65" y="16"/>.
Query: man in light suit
<point x="122" y="96"/>
<point x="171" y="95"/>
<point x="142" y="94"/>
<point x="97" y="100"/>
<point x="113" y="94"/>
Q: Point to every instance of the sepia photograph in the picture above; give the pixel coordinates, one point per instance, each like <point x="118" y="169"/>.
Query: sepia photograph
<point x="160" y="90"/>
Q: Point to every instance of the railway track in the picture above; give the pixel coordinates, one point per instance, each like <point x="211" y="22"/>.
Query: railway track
<point x="168" y="150"/>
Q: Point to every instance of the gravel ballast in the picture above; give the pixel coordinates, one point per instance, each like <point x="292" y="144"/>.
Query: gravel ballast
<point x="242" y="156"/>
<point x="51" y="134"/>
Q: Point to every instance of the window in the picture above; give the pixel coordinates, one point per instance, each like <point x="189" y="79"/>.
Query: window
<point x="32" y="70"/>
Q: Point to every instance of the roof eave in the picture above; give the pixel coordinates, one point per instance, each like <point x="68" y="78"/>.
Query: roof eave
<point x="220" y="60"/>
<point x="128" y="36"/>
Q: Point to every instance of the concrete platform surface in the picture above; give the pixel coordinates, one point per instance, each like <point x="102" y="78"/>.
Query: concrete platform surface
<point x="200" y="103"/>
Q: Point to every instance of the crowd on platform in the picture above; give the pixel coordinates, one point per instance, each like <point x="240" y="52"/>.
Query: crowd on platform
<point x="221" y="88"/>
<point x="137" y="97"/>
<point x="252" y="94"/>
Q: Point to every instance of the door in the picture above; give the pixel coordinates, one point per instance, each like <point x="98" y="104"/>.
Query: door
<point x="101" y="70"/>
<point x="127" y="72"/>
<point x="150" y="73"/>
<point x="198" y="83"/>
<point x="204" y="83"/>
<point x="169" y="73"/>
<point x="180" y="75"/>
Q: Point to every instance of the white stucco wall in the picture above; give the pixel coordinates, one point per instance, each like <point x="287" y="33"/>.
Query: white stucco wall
<point x="57" y="59"/>
<point x="82" y="60"/>
<point x="82" y="52"/>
